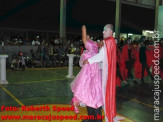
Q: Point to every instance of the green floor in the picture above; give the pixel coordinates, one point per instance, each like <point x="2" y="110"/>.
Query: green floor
<point x="50" y="86"/>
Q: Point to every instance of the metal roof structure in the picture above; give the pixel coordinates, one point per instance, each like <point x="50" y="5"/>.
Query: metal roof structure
<point x="44" y="14"/>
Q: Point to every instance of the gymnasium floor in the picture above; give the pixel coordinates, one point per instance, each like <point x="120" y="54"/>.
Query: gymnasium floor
<point x="50" y="87"/>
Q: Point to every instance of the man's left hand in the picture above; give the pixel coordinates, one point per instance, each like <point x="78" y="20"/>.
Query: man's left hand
<point x="85" y="62"/>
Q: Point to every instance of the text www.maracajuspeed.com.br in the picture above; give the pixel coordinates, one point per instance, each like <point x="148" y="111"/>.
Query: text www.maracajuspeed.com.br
<point x="49" y="117"/>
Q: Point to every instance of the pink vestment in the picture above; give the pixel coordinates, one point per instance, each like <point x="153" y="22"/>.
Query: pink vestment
<point x="87" y="86"/>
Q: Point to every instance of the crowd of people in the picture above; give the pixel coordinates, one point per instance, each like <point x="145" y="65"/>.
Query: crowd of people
<point x="136" y="57"/>
<point x="52" y="53"/>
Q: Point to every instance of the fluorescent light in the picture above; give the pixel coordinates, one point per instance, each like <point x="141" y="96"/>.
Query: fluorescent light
<point x="130" y="34"/>
<point x="148" y="31"/>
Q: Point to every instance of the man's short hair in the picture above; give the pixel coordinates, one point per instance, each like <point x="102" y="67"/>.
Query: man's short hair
<point x="110" y="26"/>
<point x="142" y="39"/>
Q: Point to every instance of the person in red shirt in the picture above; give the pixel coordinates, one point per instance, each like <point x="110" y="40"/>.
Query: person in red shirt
<point x="127" y="60"/>
<point x="119" y="72"/>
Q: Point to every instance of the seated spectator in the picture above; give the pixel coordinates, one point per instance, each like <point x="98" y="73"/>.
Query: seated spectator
<point x="14" y="62"/>
<point x="46" y="61"/>
<point x="61" y="54"/>
<point x="33" y="42"/>
<point x="37" y="42"/>
<point x="32" y="55"/>
<point x="51" y="56"/>
<point x="56" y="40"/>
<point x="21" y="60"/>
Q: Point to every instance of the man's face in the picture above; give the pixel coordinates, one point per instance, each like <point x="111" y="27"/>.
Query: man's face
<point x="129" y="41"/>
<point x="107" y="32"/>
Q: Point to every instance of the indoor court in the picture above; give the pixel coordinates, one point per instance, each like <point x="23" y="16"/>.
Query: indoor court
<point x="50" y="87"/>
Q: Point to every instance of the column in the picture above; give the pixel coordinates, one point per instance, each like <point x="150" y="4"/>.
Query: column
<point x="63" y="20"/>
<point x="70" y="66"/>
<point x="156" y="14"/>
<point x="118" y="19"/>
<point x="3" y="69"/>
<point x="160" y="21"/>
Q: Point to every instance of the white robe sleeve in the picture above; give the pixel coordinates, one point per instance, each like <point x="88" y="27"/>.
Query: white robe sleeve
<point x="98" y="57"/>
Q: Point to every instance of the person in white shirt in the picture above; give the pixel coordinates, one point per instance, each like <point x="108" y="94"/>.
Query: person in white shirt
<point x="107" y="55"/>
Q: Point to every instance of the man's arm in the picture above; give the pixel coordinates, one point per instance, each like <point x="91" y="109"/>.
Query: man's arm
<point x="96" y="58"/>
